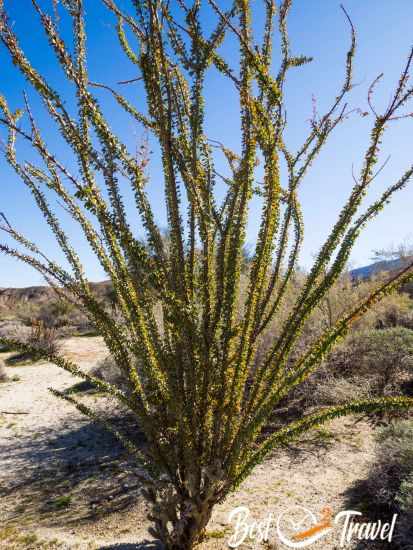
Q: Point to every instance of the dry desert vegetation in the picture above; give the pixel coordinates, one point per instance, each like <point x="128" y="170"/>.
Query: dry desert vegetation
<point x="202" y="378"/>
<point x="65" y="483"/>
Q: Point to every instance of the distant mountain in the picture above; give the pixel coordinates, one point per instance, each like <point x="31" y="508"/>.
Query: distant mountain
<point x="378" y="267"/>
<point x="39" y="295"/>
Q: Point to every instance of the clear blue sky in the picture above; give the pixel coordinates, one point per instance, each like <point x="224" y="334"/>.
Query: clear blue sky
<point x="318" y="29"/>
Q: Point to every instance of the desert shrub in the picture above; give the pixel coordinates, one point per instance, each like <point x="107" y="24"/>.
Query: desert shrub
<point x="389" y="485"/>
<point x="40" y="341"/>
<point x="12" y="328"/>
<point x="368" y="364"/>
<point x="394" y="463"/>
<point x="382" y="358"/>
<point x="9" y="329"/>
<point x="55" y="313"/>
<point x="109" y="371"/>
<point x="395" y="310"/>
<point x="196" y="389"/>
<point x="404" y="497"/>
<point x="63" y="316"/>
<point x="43" y="340"/>
<point x="326" y="388"/>
<point x="25" y="311"/>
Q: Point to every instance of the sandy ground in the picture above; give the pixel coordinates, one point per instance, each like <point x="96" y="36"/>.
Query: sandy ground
<point x="65" y="483"/>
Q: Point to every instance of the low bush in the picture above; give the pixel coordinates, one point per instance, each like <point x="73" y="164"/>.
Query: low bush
<point x="60" y="314"/>
<point x="381" y="358"/>
<point x="394" y="463"/>
<point x="56" y="313"/>
<point x="389" y="486"/>
<point x="395" y="310"/>
<point x="12" y="328"/>
<point x="108" y="371"/>
<point x="41" y="339"/>
<point x="372" y="363"/>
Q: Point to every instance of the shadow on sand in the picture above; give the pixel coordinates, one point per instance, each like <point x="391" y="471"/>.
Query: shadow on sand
<point x="74" y="473"/>
<point x="357" y="497"/>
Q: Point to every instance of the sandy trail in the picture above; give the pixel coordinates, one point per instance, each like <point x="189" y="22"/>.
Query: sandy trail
<point x="65" y="483"/>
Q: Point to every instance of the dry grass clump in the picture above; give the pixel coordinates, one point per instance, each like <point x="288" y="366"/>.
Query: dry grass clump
<point x="383" y="359"/>
<point x="57" y="313"/>
<point x="41" y="339"/>
<point x="370" y="363"/>
<point x="64" y="316"/>
<point x="395" y="310"/>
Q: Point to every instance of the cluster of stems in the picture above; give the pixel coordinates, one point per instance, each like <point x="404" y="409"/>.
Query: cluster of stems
<point x="194" y="382"/>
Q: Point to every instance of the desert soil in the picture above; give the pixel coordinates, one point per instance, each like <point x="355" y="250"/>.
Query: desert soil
<point x="66" y="483"/>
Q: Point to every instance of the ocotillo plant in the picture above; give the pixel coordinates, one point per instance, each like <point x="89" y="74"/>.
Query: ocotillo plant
<point x="197" y="391"/>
